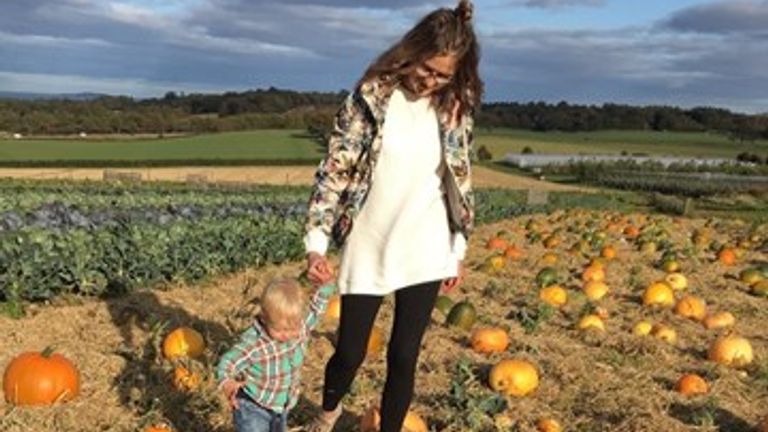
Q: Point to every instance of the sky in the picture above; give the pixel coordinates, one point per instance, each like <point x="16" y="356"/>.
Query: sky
<point x="642" y="52"/>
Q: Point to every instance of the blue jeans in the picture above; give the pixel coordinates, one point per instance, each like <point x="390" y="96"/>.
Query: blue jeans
<point x="251" y="417"/>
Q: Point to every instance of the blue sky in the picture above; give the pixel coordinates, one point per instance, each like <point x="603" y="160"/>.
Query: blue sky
<point x="681" y="52"/>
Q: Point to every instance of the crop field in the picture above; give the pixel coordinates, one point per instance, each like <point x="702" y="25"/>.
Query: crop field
<point x="609" y="307"/>
<point x="264" y="146"/>
<point x="212" y="149"/>
<point x="689" y="144"/>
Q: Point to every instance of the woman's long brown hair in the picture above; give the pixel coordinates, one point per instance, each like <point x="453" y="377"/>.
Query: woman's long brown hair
<point x="443" y="31"/>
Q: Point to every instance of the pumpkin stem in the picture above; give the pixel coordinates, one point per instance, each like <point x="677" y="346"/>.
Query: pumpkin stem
<point x="47" y="352"/>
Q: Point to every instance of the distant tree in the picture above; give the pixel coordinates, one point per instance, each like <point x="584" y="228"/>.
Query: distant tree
<point x="483" y="154"/>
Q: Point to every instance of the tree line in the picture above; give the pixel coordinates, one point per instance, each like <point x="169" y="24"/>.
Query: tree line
<point x="277" y="109"/>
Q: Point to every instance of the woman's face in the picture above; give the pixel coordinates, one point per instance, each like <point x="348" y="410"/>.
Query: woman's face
<point x="431" y="75"/>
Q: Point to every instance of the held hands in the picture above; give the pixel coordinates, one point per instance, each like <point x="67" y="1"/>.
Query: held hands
<point x="230" y="388"/>
<point x="451" y="283"/>
<point x="319" y="270"/>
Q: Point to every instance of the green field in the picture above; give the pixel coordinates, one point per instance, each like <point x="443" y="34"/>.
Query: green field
<point x="295" y="146"/>
<point x="503" y="141"/>
<point x="264" y="145"/>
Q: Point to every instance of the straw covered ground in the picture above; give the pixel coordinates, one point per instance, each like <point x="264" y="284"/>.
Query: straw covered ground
<point x="589" y="381"/>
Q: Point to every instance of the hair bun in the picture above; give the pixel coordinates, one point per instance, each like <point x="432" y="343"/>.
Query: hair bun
<point x="464" y="10"/>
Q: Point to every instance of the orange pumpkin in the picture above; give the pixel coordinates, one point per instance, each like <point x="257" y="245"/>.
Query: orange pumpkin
<point x="514" y="377"/>
<point x="497" y="243"/>
<point x="691" y="385"/>
<point x="549" y="258"/>
<point x="490" y="340"/>
<point x="371" y="422"/>
<point x="185" y="379"/>
<point x="593" y="273"/>
<point x="158" y="428"/>
<point x="631" y="231"/>
<point x="554" y="296"/>
<point x="608" y="252"/>
<point x="691" y="307"/>
<point x="548" y="425"/>
<point x="659" y="294"/>
<point x="727" y="256"/>
<point x="595" y="290"/>
<point x="375" y="341"/>
<point x="731" y="350"/>
<point x="333" y="312"/>
<point x="183" y="342"/>
<point x="719" y="320"/>
<point x="40" y="378"/>
<point x="513" y="253"/>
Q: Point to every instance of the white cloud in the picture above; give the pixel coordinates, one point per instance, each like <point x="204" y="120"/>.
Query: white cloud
<point x="55" y="83"/>
<point x="53" y="41"/>
<point x="555" y="4"/>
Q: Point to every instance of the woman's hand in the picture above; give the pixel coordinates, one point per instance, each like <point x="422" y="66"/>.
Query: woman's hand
<point x="451" y="283"/>
<point x="319" y="271"/>
<point x="230" y="388"/>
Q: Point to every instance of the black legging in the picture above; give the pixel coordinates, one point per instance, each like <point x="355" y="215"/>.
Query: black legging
<point x="413" y="307"/>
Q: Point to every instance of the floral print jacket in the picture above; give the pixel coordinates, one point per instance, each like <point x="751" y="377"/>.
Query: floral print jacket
<point x="345" y="175"/>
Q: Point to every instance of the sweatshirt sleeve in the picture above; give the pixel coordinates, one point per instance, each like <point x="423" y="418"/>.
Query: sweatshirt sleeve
<point x="458" y="245"/>
<point x="318" y="304"/>
<point x="248" y="350"/>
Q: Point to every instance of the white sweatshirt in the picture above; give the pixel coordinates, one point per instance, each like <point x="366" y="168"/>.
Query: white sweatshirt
<point x="401" y="235"/>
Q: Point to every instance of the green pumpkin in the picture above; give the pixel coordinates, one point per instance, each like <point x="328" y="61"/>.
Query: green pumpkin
<point x="462" y="315"/>
<point x="547" y="277"/>
<point x="444" y="304"/>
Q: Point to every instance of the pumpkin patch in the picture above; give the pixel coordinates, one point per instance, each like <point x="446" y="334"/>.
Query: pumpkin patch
<point x="573" y="323"/>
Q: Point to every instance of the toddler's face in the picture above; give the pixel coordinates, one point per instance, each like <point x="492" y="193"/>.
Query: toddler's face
<point x="283" y="330"/>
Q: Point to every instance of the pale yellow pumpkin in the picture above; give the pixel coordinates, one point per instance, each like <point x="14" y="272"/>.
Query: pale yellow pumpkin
<point x="591" y="322"/>
<point x="677" y="281"/>
<point x="719" y="320"/>
<point x="664" y="332"/>
<point x="731" y="350"/>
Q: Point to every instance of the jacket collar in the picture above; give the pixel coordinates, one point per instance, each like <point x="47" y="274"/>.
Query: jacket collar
<point x="377" y="92"/>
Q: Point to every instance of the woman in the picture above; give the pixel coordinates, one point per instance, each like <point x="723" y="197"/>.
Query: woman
<point x="394" y="194"/>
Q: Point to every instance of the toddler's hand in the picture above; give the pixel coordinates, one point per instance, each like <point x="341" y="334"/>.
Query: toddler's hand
<point x="230" y="388"/>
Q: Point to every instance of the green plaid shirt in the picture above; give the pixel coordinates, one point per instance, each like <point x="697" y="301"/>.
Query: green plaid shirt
<point x="270" y="369"/>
